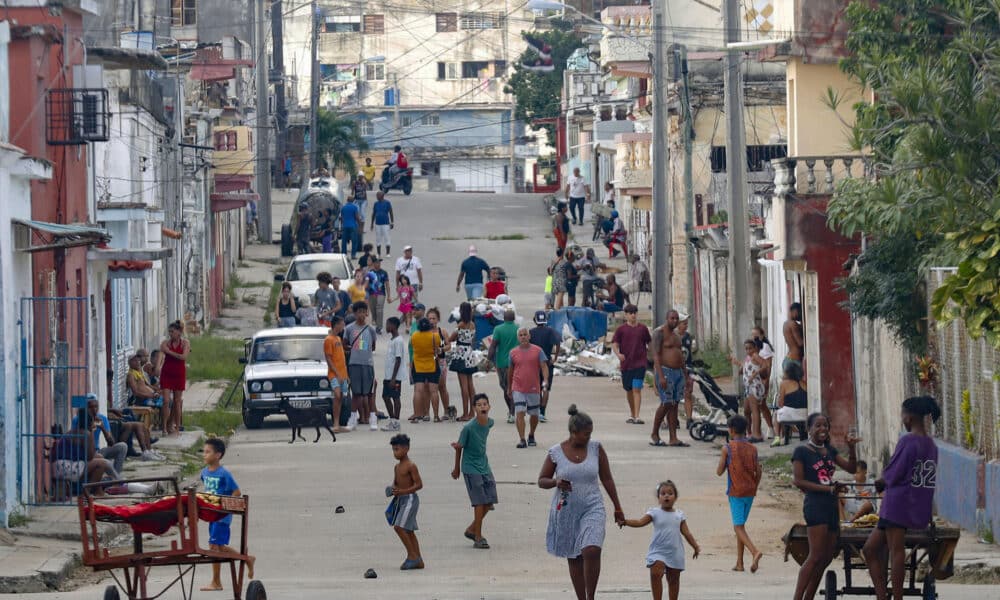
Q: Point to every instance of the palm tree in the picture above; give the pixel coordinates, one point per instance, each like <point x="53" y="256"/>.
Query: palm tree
<point x="338" y="136"/>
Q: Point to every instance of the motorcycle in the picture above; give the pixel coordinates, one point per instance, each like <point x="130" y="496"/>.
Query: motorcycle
<point x="403" y="180"/>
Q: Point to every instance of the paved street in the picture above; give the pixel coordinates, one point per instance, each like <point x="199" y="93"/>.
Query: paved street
<point x="305" y="550"/>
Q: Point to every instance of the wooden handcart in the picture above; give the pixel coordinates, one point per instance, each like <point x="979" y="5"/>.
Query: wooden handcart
<point x="934" y="546"/>
<point x="178" y="510"/>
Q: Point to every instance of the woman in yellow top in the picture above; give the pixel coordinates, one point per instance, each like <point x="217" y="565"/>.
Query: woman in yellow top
<point x="424" y="366"/>
<point x="369" y="172"/>
<point x="357" y="287"/>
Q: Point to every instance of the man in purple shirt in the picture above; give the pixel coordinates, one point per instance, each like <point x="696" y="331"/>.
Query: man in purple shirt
<point x="631" y="345"/>
<point x="909" y="481"/>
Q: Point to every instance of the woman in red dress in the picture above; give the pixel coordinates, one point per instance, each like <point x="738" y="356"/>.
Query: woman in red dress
<point x="173" y="377"/>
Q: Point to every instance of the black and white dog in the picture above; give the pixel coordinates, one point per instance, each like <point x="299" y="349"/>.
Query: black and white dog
<point x="305" y="417"/>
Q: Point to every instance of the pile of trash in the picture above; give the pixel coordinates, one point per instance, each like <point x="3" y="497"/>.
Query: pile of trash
<point x="581" y="358"/>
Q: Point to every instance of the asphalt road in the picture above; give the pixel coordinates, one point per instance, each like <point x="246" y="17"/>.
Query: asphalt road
<point x="306" y="550"/>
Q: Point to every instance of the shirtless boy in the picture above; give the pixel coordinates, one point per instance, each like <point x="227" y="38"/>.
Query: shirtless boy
<point x="793" y="336"/>
<point x="670" y="373"/>
<point x="406" y="483"/>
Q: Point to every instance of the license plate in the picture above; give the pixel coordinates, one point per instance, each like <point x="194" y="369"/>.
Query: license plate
<point x="300" y="403"/>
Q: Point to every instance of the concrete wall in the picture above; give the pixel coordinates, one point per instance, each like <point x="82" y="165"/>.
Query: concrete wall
<point x="456" y="128"/>
<point x="960" y="483"/>
<point x="992" y="494"/>
<point x="813" y="128"/>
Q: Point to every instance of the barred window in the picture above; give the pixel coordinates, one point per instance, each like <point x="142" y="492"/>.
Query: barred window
<point x="483" y="20"/>
<point x="374" y="24"/>
<point x="446" y="22"/>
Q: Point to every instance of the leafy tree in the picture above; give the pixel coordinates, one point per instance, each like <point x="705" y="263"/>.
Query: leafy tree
<point x="338" y="136"/>
<point x="539" y="94"/>
<point x="933" y="133"/>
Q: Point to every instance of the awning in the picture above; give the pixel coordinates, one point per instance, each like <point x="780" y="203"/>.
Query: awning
<point x="41" y="235"/>
<point x="130" y="265"/>
<point x="128" y="255"/>
<point x="633" y="68"/>
<point x="233" y="183"/>
<point x="211" y="72"/>
<point x="231" y="201"/>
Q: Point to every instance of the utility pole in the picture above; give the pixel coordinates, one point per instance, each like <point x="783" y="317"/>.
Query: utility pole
<point x="314" y="95"/>
<point x="736" y="183"/>
<point x="278" y="58"/>
<point x="263" y="129"/>
<point x="662" y="230"/>
<point x="513" y="145"/>
<point x="395" y="110"/>
<point x="688" y="174"/>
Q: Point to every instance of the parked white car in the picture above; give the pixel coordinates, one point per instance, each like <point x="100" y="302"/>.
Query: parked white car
<point x="304" y="268"/>
<point x="284" y="363"/>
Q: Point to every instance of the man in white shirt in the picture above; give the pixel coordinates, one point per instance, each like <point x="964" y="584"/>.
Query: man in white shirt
<point x="409" y="265"/>
<point x="577" y="192"/>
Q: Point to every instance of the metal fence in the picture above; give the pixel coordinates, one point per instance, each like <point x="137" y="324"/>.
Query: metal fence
<point x="53" y="460"/>
<point x="967" y="384"/>
<point x="54" y="343"/>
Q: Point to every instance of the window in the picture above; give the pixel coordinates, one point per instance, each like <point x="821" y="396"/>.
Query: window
<point x="225" y="141"/>
<point x="483" y="20"/>
<point x="430" y="120"/>
<point x="430" y="168"/>
<point x="405" y="120"/>
<point x="475" y="69"/>
<point x="340" y="24"/>
<point x="374" y="24"/>
<point x="367" y="128"/>
<point x="374" y="72"/>
<point x="183" y="12"/>
<point x="499" y="68"/>
<point x="448" y="70"/>
<point x="446" y="22"/>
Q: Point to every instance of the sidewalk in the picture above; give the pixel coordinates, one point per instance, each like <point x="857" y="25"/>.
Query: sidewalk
<point x="42" y="554"/>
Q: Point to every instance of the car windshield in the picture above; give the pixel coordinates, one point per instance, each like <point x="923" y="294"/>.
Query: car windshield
<point x="279" y="349"/>
<point x="309" y="269"/>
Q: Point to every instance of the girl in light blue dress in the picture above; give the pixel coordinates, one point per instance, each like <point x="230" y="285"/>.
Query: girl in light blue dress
<point x="666" y="549"/>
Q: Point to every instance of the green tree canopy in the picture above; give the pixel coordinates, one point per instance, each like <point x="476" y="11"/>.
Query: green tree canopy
<point x="539" y="95"/>
<point x="933" y="133"/>
<point x="338" y="137"/>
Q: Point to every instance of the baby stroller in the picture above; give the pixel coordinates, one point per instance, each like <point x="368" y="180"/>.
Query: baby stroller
<point x="723" y="406"/>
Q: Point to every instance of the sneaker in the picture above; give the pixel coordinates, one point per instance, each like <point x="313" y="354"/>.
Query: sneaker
<point x="510" y="418"/>
<point x="149" y="455"/>
<point x="353" y="421"/>
<point x="542" y="419"/>
<point x="531" y="440"/>
<point x="522" y="444"/>
<point x="392" y="425"/>
<point x="373" y="422"/>
<point x="777" y="442"/>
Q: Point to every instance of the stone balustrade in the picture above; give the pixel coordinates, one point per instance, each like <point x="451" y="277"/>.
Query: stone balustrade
<point x="633" y="160"/>
<point x="628" y="37"/>
<point x="817" y="174"/>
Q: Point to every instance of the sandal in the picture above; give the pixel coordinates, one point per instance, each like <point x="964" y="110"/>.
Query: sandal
<point x="470" y="535"/>
<point x="630" y="421"/>
<point x="437" y="420"/>
<point x="658" y="443"/>
<point x="426" y="418"/>
<point x="640" y="422"/>
<point x="481" y="544"/>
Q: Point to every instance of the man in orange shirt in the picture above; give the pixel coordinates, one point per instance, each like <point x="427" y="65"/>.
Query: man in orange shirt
<point x="336" y="364"/>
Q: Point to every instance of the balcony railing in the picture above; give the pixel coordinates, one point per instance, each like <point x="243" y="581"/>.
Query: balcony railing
<point x="630" y="38"/>
<point x="817" y="174"/>
<point x="633" y="160"/>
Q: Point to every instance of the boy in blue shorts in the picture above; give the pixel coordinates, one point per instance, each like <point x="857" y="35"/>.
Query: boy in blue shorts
<point x="219" y="481"/>
<point x="739" y="462"/>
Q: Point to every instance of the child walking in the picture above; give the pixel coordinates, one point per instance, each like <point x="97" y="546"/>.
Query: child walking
<point x="406" y="295"/>
<point x="219" y="481"/>
<point x="394" y="370"/>
<point x="406" y="483"/>
<point x="666" y="550"/>
<point x="470" y="460"/>
<point x="739" y="462"/>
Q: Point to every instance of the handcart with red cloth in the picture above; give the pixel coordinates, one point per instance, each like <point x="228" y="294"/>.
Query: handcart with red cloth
<point x="158" y="515"/>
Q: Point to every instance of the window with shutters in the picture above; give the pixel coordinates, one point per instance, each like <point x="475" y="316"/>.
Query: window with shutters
<point x="374" y="24"/>
<point x="405" y="120"/>
<point x="446" y="22"/>
<point x="367" y="128"/>
<point x="448" y="70"/>
<point x="482" y="20"/>
<point x="475" y="69"/>
<point x="183" y="12"/>
<point x="430" y="120"/>
<point x="374" y="71"/>
<point x="225" y="141"/>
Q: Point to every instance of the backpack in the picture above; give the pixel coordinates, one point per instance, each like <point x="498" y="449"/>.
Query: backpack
<point x="401" y="161"/>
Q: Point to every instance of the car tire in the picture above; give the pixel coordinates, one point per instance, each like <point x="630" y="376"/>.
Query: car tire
<point x="253" y="419"/>
<point x="287" y="244"/>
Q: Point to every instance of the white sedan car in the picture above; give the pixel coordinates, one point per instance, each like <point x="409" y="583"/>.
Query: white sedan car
<point x="304" y="268"/>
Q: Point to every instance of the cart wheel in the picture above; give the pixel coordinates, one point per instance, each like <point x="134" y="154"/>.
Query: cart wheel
<point x="695" y="431"/>
<point x="830" y="590"/>
<point x="708" y="432"/>
<point x="111" y="593"/>
<point x="930" y="588"/>
<point x="255" y="591"/>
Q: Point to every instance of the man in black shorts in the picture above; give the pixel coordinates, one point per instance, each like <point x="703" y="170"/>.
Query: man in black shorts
<point x="548" y="339"/>
<point x="359" y="339"/>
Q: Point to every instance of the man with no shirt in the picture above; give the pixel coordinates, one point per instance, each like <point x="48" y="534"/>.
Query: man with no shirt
<point x="670" y="373"/>
<point x="793" y="336"/>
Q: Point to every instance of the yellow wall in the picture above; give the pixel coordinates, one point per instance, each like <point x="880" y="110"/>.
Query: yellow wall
<point x="813" y="128"/>
<point x="240" y="161"/>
